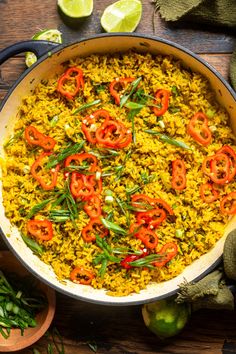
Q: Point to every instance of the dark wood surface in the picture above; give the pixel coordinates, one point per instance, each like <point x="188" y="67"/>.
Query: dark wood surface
<point x="120" y="330"/>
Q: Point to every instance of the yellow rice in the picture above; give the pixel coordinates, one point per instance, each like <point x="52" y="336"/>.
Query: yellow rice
<point x="200" y="224"/>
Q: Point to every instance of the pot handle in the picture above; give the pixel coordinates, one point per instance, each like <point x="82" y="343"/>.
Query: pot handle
<point x="38" y="47"/>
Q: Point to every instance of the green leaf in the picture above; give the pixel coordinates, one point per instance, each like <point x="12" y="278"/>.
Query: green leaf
<point x="69" y="150"/>
<point x="37" y="208"/>
<point x="33" y="245"/>
<point x="113" y="227"/>
<point x="168" y="140"/>
<point x="86" y="106"/>
<point x="134" y="105"/>
<point x="133" y="86"/>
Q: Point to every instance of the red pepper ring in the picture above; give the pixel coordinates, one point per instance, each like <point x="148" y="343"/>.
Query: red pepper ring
<point x="220" y="168"/>
<point x="178" y="175"/>
<point x="119" y="84"/>
<point x="113" y="134"/>
<point x="80" y="186"/>
<point x="71" y="74"/>
<point x="162" y="98"/>
<point x="152" y="218"/>
<point x="93" y="228"/>
<point x="80" y="275"/>
<point x="41" y="229"/>
<point x="199" y="130"/>
<point x="37" y="167"/>
<point x="148" y="237"/>
<point x="165" y="254"/>
<point x="93" y="207"/>
<point x="34" y="137"/>
<point x="228" y="204"/>
<point x="227" y="150"/>
<point x="89" y="124"/>
<point x="208" y="193"/>
<point x="78" y="159"/>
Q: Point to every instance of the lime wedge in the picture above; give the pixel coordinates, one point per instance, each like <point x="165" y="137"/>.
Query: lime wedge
<point x="122" y="16"/>
<point x="52" y="35"/>
<point x="76" y="8"/>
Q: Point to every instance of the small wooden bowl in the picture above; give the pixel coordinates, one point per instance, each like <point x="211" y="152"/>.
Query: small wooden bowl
<point x="16" y="341"/>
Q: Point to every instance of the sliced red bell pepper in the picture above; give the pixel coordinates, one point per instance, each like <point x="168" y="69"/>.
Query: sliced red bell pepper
<point x="151" y="218"/>
<point x="34" y="137"/>
<point x="41" y="229"/>
<point x="93" y="207"/>
<point x="113" y="134"/>
<point x="131" y="258"/>
<point x="228" y="204"/>
<point x="178" y="175"/>
<point x="142" y="201"/>
<point x="162" y="99"/>
<point x="80" y="186"/>
<point x="160" y="203"/>
<point x="38" y="172"/>
<point x="79" y="159"/>
<point x="93" y="228"/>
<point x="217" y="167"/>
<point x="227" y="150"/>
<point x="167" y="252"/>
<point x="148" y="237"/>
<point x="89" y="124"/>
<point x="79" y="275"/>
<point x="117" y="87"/>
<point x="72" y="76"/>
<point x="208" y="193"/>
<point x="199" y="130"/>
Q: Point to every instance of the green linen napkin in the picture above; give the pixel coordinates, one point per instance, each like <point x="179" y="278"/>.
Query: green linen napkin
<point x="211" y="12"/>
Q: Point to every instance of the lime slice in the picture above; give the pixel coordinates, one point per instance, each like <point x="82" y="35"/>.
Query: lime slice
<point x="122" y="16"/>
<point x="76" y="8"/>
<point x="52" y="35"/>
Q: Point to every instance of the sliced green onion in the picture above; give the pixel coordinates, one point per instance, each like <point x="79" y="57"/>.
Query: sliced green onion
<point x="36" y="208"/>
<point x="86" y="106"/>
<point x="69" y="150"/>
<point x="168" y="140"/>
<point x="113" y="227"/>
<point x="33" y="245"/>
<point x="134" y="84"/>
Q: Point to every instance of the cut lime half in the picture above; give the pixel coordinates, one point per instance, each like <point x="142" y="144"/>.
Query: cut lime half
<point x="122" y="16"/>
<point x="52" y="35"/>
<point x="76" y="8"/>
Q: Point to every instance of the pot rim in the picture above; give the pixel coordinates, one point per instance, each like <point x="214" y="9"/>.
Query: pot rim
<point x="60" y="48"/>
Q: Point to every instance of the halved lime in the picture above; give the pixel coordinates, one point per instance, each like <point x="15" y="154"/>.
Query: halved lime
<point x="52" y="35"/>
<point x="76" y="8"/>
<point x="122" y="16"/>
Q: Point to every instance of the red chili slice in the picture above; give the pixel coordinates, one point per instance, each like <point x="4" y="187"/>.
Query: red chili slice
<point x="148" y="237"/>
<point x="80" y="186"/>
<point x="80" y="275"/>
<point x="162" y="99"/>
<point x="151" y="218"/>
<point x="34" y="137"/>
<point x="38" y="172"/>
<point x="208" y="193"/>
<point x="227" y="150"/>
<point x="93" y="207"/>
<point x="79" y="159"/>
<point x="178" y="175"/>
<point x="113" y="134"/>
<point x="93" y="228"/>
<point x="228" y="204"/>
<point x="117" y="86"/>
<point x="89" y="124"/>
<point x="72" y="75"/>
<point x="165" y="254"/>
<point x="41" y="229"/>
<point x="199" y="130"/>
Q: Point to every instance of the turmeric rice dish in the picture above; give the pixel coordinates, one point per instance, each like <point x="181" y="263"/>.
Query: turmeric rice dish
<point x="120" y="171"/>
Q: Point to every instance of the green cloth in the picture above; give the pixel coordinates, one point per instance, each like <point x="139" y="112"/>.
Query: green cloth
<point x="211" y="12"/>
<point x="210" y="292"/>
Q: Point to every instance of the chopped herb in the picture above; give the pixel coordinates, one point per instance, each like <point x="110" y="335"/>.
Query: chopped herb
<point x="69" y="150"/>
<point x="133" y="189"/>
<point x="99" y="88"/>
<point x="59" y="215"/>
<point x="54" y="121"/>
<point x="86" y="106"/>
<point x="133" y="86"/>
<point x="173" y="109"/>
<point x="37" y="208"/>
<point x="13" y="139"/>
<point x="174" y="91"/>
<point x="169" y="140"/>
<point x="134" y="105"/>
<point x="113" y="227"/>
<point x="33" y="245"/>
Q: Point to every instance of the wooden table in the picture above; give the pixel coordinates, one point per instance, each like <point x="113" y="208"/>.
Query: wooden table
<point x="120" y="330"/>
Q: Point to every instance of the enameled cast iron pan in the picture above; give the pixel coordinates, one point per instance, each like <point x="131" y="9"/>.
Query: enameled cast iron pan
<point x="49" y="64"/>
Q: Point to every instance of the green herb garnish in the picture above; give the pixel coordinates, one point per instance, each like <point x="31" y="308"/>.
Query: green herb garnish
<point x="13" y="139"/>
<point x="113" y="227"/>
<point x="168" y="140"/>
<point x="86" y="106"/>
<point x="71" y="149"/>
<point x="33" y="245"/>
